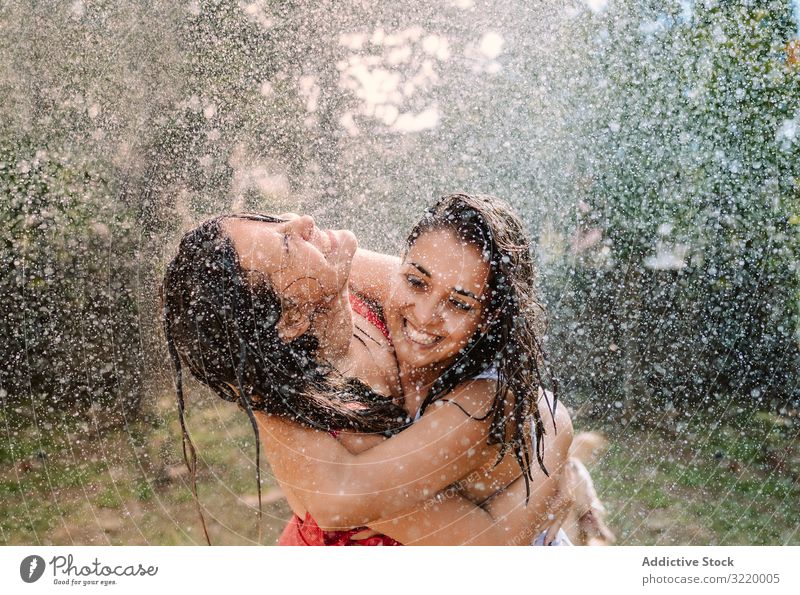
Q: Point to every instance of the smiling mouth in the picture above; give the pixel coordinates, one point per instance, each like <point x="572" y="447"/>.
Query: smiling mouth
<point x="419" y="337"/>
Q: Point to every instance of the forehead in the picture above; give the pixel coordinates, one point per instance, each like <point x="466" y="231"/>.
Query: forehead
<point x="451" y="262"/>
<point x="258" y="243"/>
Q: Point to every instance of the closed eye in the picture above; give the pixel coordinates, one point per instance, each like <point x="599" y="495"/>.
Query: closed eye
<point x="415" y="281"/>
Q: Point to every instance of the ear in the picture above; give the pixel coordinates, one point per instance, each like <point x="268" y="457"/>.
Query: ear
<point x="292" y="323"/>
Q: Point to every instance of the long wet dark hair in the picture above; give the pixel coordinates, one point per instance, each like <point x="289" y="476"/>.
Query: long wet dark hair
<point x="220" y="322"/>
<point x="509" y="343"/>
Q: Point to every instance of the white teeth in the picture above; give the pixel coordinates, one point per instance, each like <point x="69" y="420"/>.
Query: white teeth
<point x="418" y="336"/>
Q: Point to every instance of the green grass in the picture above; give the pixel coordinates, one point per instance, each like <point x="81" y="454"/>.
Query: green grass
<point x="733" y="484"/>
<point x="128" y="485"/>
<point x="109" y="498"/>
<point x="143" y="490"/>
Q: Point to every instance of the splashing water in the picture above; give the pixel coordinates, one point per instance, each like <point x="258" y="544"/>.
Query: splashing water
<point x="651" y="147"/>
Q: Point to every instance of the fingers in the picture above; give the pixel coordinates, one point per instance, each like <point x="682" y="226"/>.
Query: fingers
<point x="563" y="501"/>
<point x="559" y="509"/>
<point x="552" y="532"/>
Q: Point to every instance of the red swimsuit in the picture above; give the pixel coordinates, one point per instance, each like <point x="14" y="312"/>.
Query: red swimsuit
<point x="361" y="308"/>
<point x="306" y="531"/>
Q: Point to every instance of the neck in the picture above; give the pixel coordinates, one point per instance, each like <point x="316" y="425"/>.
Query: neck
<point x="335" y="330"/>
<point x="416" y="383"/>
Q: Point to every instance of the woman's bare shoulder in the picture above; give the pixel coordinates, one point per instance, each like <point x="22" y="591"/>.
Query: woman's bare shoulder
<point x="473" y="396"/>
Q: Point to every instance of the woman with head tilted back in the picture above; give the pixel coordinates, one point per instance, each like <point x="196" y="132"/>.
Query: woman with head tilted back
<point x="233" y="326"/>
<point x="465" y="318"/>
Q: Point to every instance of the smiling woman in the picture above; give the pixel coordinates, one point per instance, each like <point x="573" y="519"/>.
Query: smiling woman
<point x="476" y="314"/>
<point x="435" y="309"/>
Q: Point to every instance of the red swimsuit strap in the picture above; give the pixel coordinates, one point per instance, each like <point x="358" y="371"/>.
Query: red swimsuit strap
<point x="362" y="308"/>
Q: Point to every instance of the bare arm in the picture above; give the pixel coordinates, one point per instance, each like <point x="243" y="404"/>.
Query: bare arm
<point x="341" y="489"/>
<point x="372" y="273"/>
<point x="521" y="522"/>
<point x="504" y="519"/>
<point x="451" y="519"/>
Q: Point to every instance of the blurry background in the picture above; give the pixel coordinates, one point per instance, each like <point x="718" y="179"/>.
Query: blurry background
<point x="652" y="147"/>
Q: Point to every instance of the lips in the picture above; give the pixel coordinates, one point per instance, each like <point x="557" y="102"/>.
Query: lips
<point x="333" y="243"/>
<point x="418" y="336"/>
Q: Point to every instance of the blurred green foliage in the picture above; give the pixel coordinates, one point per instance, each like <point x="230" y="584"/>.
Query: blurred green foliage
<point x="119" y="124"/>
<point x="681" y="287"/>
<point x="673" y="129"/>
<point x="69" y="333"/>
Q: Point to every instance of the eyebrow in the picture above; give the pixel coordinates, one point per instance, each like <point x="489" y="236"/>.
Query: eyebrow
<point x="420" y="268"/>
<point x="257" y="217"/>
<point x="458" y="290"/>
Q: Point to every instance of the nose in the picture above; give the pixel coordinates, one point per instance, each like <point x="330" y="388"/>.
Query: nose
<point x="303" y="226"/>
<point x="427" y="310"/>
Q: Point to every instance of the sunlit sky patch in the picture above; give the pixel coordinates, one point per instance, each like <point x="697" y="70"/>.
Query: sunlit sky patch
<point x="667" y="257"/>
<point x="787" y="133"/>
<point x="409" y="122"/>
<point x="386" y="71"/>
<point x="491" y="45"/>
<point x="796" y="10"/>
<point x="687" y="10"/>
<point x="596" y="6"/>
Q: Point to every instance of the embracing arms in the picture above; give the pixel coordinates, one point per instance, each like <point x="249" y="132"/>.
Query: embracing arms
<point x="390" y="490"/>
<point x="372" y="273"/>
<point x="505" y="518"/>
<point x="341" y="489"/>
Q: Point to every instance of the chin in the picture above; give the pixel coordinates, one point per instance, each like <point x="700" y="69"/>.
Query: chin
<point x="420" y="358"/>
